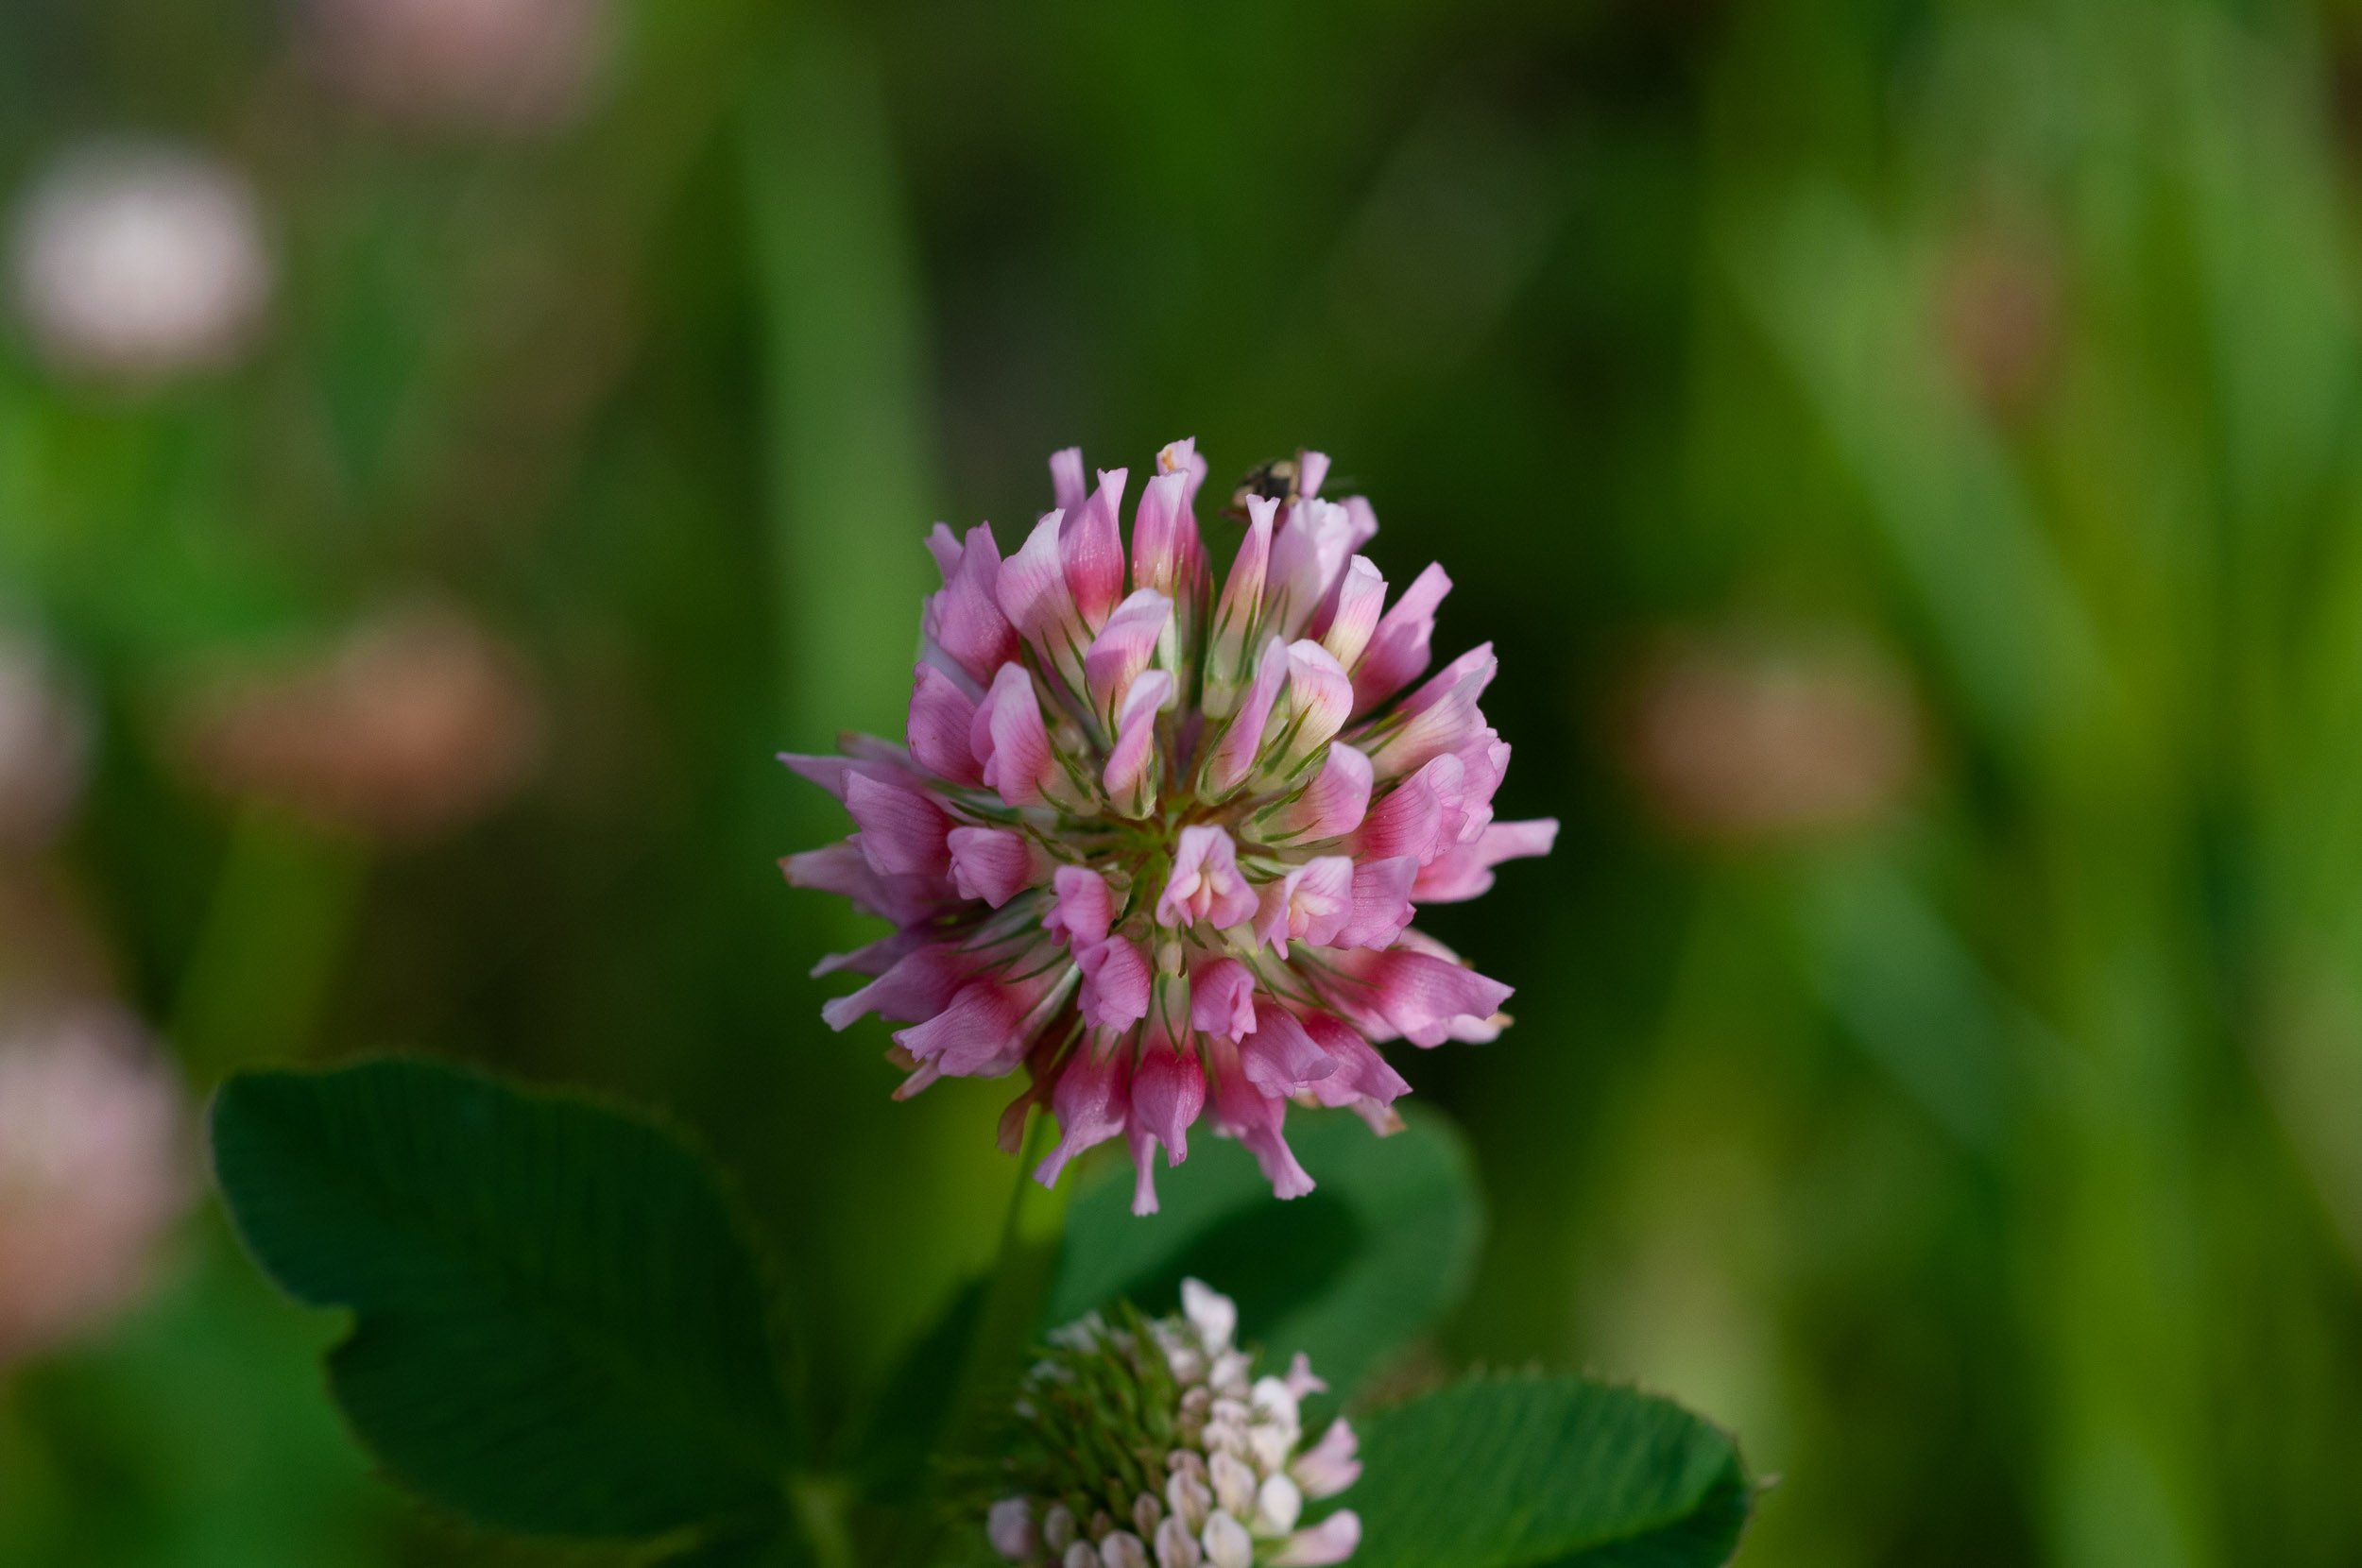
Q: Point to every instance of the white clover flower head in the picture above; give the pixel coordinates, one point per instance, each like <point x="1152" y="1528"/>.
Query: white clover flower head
<point x="135" y="262"/>
<point x="1147" y="1442"/>
<point x="93" y="1171"/>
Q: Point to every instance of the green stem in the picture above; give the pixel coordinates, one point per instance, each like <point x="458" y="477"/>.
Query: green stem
<point x="819" y="1503"/>
<point x="268" y="949"/>
<point x="1011" y="1320"/>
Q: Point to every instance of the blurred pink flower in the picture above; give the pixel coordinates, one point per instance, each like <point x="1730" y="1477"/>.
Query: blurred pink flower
<point x="1749" y="738"/>
<point x="44" y="745"/>
<point x="506" y="65"/>
<point x="93" y="1169"/>
<point x="1161" y="844"/>
<point x="416" y="724"/>
<point x="137" y="261"/>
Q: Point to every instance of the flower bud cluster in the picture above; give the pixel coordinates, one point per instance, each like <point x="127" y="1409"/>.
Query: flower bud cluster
<point x="1155" y="1442"/>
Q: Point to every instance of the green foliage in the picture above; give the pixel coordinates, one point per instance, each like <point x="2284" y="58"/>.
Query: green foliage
<point x="1525" y="1471"/>
<point x="560" y="1327"/>
<point x="1350" y="1273"/>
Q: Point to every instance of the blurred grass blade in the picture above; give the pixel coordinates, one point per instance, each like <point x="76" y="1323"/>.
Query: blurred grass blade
<point x="845" y="427"/>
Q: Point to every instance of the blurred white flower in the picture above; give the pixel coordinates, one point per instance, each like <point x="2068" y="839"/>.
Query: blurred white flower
<point x="44" y="745"/>
<point x="508" y="66"/>
<point x="138" y="261"/>
<point x="92" y="1168"/>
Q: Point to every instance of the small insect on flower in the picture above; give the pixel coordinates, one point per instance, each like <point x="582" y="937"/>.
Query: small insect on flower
<point x="1162" y="849"/>
<point x="1143" y="1440"/>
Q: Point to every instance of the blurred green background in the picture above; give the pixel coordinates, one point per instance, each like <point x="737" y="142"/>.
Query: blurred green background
<point x="1906" y="453"/>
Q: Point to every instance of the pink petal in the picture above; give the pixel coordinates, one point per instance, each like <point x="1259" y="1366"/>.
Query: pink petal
<point x="1254" y="1119"/>
<point x="829" y="771"/>
<point x="1438" y="717"/>
<point x="902" y="830"/>
<point x="965" y="619"/>
<point x="1163" y="533"/>
<point x="1309" y="551"/>
<point x="1092" y="1101"/>
<point x="1010" y="741"/>
<point x="1331" y="1465"/>
<point x="1066" y="478"/>
<point x="985" y="1031"/>
<point x="1222" y="997"/>
<point x="1420" y="994"/>
<point x="1332" y="1540"/>
<point x="1204" y="885"/>
<point x="1090" y="544"/>
<point x="1329" y="807"/>
<point x="1309" y="903"/>
<point x="993" y="863"/>
<point x="1312" y="473"/>
<point x="1398" y="651"/>
<point x="1406" y="822"/>
<point x="1241" y="613"/>
<point x="1361" y="1074"/>
<point x="876" y="957"/>
<point x="1129" y="775"/>
<point x="1279" y="1057"/>
<point x="1359" y="601"/>
<point x="1380" y="903"/>
<point x="1168" y="1092"/>
<point x="919" y="987"/>
<point x="1241" y="745"/>
<point x="1466" y="871"/>
<point x="941" y="716"/>
<point x="1319" y="699"/>
<point x="1034" y="594"/>
<point x="1115" y="984"/>
<point x="1143" y="1149"/>
<point x="1083" y="909"/>
<point x="944" y="546"/>
<point x="1123" y="648"/>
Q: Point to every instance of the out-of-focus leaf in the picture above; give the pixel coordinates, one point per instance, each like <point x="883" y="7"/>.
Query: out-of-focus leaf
<point x="913" y="1410"/>
<point x="561" y="1328"/>
<point x="1525" y="1471"/>
<point x="1375" y="1254"/>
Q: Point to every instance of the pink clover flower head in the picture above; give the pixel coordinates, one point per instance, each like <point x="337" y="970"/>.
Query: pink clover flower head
<point x="1158" y="838"/>
<point x="1141" y="1441"/>
<point x="93" y="1169"/>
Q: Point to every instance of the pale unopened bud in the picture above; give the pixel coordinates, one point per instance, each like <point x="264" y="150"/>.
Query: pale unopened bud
<point x="1269" y="1445"/>
<point x="1278" y="1504"/>
<point x="1190" y="1498"/>
<point x="1177" y="1547"/>
<point x="1080" y="1555"/>
<point x="1228" y="1375"/>
<point x="1122" y="1549"/>
<point x="1212" y="1314"/>
<point x="1227" y="1545"/>
<point x="1057" y="1527"/>
<point x="1234" y="1485"/>
<point x="1011" y="1530"/>
<point x="1148" y="1511"/>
